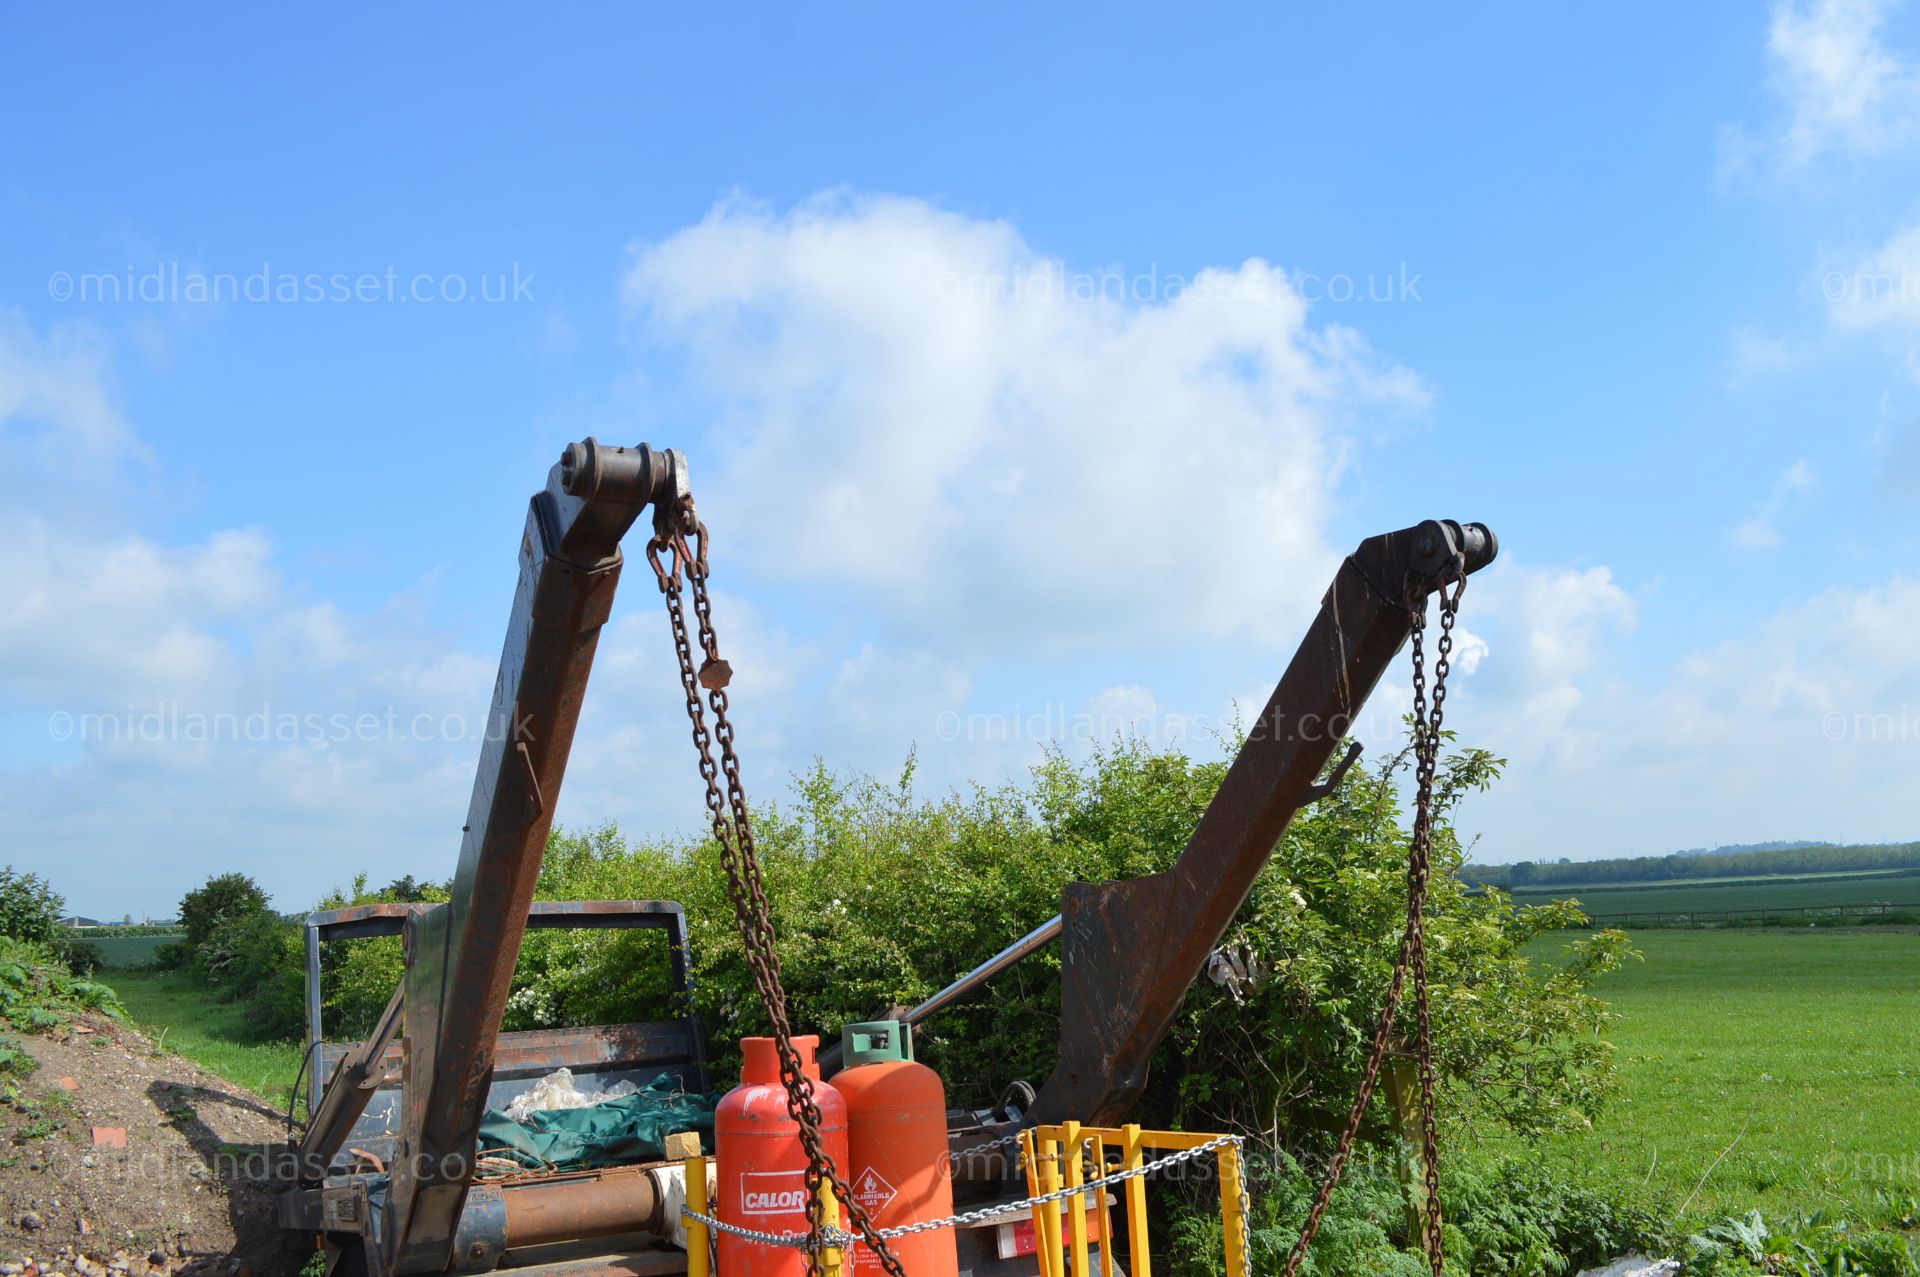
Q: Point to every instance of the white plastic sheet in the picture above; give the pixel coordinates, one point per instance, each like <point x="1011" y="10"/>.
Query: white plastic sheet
<point x="557" y="1091"/>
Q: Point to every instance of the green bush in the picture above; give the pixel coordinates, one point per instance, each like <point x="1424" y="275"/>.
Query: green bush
<point x="174" y="955"/>
<point x="232" y="942"/>
<point x="1362" y="1235"/>
<point x="1504" y="1218"/>
<point x="564" y="978"/>
<point x="259" y="958"/>
<point x="127" y="930"/>
<point x="83" y="957"/>
<point x="1515" y="1218"/>
<point x="358" y="977"/>
<point x="882" y="897"/>
<point x="30" y="910"/>
<point x="39" y="992"/>
<point x="221" y="898"/>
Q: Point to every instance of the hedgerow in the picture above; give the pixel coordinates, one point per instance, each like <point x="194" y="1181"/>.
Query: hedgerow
<point x="882" y="896"/>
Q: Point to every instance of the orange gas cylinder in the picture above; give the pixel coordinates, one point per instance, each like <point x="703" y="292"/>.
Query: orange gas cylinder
<point x="897" y="1136"/>
<point x="761" y="1167"/>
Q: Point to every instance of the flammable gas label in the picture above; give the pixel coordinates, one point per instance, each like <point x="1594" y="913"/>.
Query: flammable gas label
<point x="871" y="1190"/>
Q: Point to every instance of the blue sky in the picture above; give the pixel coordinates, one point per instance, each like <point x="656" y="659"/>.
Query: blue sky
<point x="1035" y="367"/>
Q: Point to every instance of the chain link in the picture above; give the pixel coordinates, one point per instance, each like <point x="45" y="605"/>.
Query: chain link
<point x="1427" y="758"/>
<point x="733" y="831"/>
<point x="1413" y="950"/>
<point x="683" y="538"/>
<point x="967" y="1219"/>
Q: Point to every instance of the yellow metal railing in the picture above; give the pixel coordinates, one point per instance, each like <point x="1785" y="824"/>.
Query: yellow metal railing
<point x="1057" y="1160"/>
<point x="1058" y="1157"/>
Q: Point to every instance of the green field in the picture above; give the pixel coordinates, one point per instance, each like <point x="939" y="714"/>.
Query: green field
<point x="185" y="1018"/>
<point x="1738" y="894"/>
<point x="1594" y="888"/>
<point x="117" y="953"/>
<point x="1789" y="1057"/>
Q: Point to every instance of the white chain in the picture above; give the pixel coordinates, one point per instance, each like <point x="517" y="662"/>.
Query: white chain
<point x="838" y="1238"/>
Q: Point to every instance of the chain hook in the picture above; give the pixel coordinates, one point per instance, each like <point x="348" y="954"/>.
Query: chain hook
<point x="669" y="579"/>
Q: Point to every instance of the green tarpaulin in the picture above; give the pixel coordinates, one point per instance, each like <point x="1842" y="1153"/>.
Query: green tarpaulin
<point x="633" y="1128"/>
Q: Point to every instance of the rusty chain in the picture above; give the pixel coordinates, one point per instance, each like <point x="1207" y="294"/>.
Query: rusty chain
<point x="1427" y="759"/>
<point x="733" y="831"/>
<point x="1413" y="950"/>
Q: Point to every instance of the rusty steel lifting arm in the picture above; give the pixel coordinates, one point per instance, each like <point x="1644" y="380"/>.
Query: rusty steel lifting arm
<point x="460" y="958"/>
<point x="1131" y="949"/>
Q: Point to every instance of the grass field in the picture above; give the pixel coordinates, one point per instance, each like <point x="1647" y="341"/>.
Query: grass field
<point x="117" y="953"/>
<point x="1777" y="1069"/>
<point x="1558" y="889"/>
<point x="187" y="1019"/>
<point x="1753" y="893"/>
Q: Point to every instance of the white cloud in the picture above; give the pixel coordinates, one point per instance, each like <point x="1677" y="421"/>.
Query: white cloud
<point x="1551" y="622"/>
<point x="176" y="709"/>
<point x="114" y="617"/>
<point x="1760" y="530"/>
<point x="917" y="405"/>
<point x="58" y="384"/>
<point x="1843" y="88"/>
<point x="1546" y="641"/>
<point x="1807" y="724"/>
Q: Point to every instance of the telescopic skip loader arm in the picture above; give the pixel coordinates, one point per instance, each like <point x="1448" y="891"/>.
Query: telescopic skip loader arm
<point x="460" y="958"/>
<point x="1131" y="949"/>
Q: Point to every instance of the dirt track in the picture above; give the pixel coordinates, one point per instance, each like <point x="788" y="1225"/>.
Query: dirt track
<point x="187" y="1193"/>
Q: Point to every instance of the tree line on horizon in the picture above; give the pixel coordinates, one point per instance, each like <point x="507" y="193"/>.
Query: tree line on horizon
<point x="1814" y="858"/>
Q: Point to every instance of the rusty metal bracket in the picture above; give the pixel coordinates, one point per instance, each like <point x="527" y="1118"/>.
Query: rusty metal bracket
<point x="1318" y="791"/>
<point x="536" y="801"/>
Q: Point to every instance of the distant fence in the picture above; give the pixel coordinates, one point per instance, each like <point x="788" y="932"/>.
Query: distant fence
<point x="1770" y="915"/>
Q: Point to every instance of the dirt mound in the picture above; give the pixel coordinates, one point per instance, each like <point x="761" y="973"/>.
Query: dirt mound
<point x="116" y="1158"/>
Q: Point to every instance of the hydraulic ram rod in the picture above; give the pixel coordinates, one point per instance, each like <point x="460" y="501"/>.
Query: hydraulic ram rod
<point x="360" y="1074"/>
<point x="1038" y="938"/>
